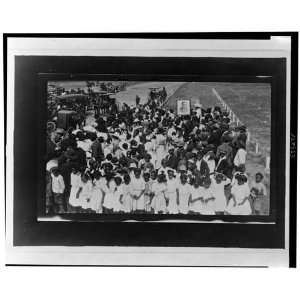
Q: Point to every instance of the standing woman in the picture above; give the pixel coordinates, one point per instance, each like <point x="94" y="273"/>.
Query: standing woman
<point x="75" y="185"/>
<point x="97" y="193"/>
<point x="208" y="203"/>
<point x="218" y="187"/>
<point x="147" y="192"/>
<point x="84" y="192"/>
<point x="171" y="193"/>
<point x="109" y="197"/>
<point x="239" y="200"/>
<point x="183" y="194"/>
<point x="161" y="146"/>
<point x="196" y="197"/>
<point x="118" y="207"/>
<point x="126" y="199"/>
<point x="137" y="190"/>
<point x="159" y="200"/>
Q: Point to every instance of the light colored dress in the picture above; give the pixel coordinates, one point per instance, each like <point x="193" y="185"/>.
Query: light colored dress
<point x="219" y="194"/>
<point x="159" y="201"/>
<point x="75" y="184"/>
<point x="197" y="205"/>
<point x="118" y="206"/>
<point x="137" y="186"/>
<point x="184" y="192"/>
<point x="171" y="194"/>
<point x="147" y="196"/>
<point x="97" y="195"/>
<point x="85" y="194"/>
<point x="126" y="199"/>
<point x="161" y="149"/>
<point x="209" y="207"/>
<point x="109" y="198"/>
<point x="239" y="192"/>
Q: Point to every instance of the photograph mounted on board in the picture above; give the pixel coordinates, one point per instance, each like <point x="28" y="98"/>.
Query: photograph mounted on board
<point x="158" y="148"/>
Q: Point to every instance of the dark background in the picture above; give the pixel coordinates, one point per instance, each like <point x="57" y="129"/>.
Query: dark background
<point x="30" y="77"/>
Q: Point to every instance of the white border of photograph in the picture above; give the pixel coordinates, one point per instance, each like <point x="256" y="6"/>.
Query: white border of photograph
<point x="276" y="47"/>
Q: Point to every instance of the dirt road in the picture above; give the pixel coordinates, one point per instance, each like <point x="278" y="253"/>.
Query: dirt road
<point x="142" y="90"/>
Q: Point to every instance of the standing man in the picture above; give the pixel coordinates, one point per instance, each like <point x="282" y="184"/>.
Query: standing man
<point x="137" y="100"/>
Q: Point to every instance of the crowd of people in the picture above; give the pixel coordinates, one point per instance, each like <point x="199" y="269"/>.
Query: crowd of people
<point x="147" y="159"/>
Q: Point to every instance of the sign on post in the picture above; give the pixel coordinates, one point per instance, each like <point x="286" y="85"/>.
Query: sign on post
<point x="183" y="107"/>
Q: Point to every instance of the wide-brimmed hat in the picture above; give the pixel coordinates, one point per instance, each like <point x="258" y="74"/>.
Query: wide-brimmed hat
<point x="132" y="166"/>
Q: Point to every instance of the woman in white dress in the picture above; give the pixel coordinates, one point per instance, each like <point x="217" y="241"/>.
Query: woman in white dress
<point x="97" y="194"/>
<point x="172" y="207"/>
<point x="239" y="200"/>
<point x="161" y="147"/>
<point x="137" y="190"/>
<point x="183" y="194"/>
<point x="85" y="191"/>
<point x="147" y="192"/>
<point x="218" y="183"/>
<point x="109" y="197"/>
<point x="159" y="200"/>
<point x="208" y="203"/>
<point x="196" y="197"/>
<point x="126" y="199"/>
<point x="117" y="204"/>
<point x="75" y="185"/>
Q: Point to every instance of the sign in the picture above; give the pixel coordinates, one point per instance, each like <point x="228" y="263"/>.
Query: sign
<point x="183" y="107"/>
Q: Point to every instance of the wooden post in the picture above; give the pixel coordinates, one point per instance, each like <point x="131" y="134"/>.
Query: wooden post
<point x="268" y="160"/>
<point x="256" y="147"/>
<point x="248" y="137"/>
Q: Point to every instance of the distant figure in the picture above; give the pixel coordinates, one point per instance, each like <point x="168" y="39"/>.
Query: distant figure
<point x="137" y="100"/>
<point x="163" y="94"/>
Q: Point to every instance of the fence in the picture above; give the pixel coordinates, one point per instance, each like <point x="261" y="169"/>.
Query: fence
<point x="238" y="122"/>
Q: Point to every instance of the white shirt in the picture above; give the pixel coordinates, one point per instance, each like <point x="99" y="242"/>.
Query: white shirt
<point x="240" y="157"/>
<point x="58" y="185"/>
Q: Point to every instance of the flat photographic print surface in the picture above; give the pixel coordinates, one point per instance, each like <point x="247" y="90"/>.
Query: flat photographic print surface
<point x="131" y="178"/>
<point x="158" y="148"/>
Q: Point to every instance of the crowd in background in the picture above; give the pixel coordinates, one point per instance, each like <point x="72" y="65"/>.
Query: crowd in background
<point x="147" y="159"/>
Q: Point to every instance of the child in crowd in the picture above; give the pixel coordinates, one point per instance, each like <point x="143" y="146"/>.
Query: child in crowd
<point x="255" y="202"/>
<point x="259" y="185"/>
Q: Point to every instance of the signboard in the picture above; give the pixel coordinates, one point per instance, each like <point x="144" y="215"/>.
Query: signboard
<point x="183" y="107"/>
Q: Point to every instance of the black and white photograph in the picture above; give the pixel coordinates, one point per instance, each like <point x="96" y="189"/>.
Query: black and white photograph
<point x="144" y="150"/>
<point x="144" y="147"/>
